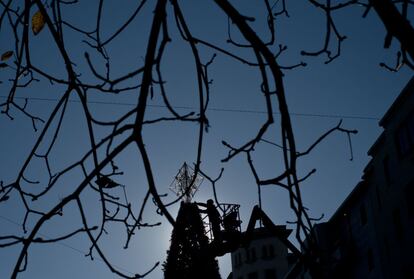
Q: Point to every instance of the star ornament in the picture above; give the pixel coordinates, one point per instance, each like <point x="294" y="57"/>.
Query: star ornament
<point x="185" y="183"/>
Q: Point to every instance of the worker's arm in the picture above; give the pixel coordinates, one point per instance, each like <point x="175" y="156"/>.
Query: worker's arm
<point x="203" y="205"/>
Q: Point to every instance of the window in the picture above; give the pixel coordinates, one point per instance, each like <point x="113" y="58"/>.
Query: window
<point x="264" y="252"/>
<point x="247" y="256"/>
<point x="268" y="252"/>
<point x="410" y="128"/>
<point x="409" y="198"/>
<point x="370" y="260"/>
<point x="403" y="141"/>
<point x="252" y="275"/>
<point x="378" y="194"/>
<point x="253" y="254"/>
<point x="397" y="223"/>
<point x="271" y="251"/>
<point x="387" y="172"/>
<point x="238" y="260"/>
<point x="270" y="273"/>
<point x="387" y="249"/>
<point x="407" y="272"/>
<point x="363" y="214"/>
<point x="405" y="136"/>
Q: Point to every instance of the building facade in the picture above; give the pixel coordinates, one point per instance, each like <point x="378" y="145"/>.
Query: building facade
<point x="266" y="257"/>
<point x="371" y="233"/>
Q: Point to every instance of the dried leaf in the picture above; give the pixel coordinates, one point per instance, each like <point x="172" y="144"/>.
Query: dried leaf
<point x="38" y="22"/>
<point x="6" y="55"/>
<point x="3" y="65"/>
<point x="106" y="182"/>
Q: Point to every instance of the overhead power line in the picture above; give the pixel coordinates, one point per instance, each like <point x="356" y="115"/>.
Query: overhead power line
<point x="320" y="115"/>
<point x="65" y="245"/>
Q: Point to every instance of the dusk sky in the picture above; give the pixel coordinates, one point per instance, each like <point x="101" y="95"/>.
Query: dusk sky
<point x="353" y="88"/>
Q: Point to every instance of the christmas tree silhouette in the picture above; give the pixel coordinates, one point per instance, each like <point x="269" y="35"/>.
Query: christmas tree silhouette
<point x="189" y="257"/>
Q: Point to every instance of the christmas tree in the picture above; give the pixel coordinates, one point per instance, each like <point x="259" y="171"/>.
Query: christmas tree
<point x="189" y="256"/>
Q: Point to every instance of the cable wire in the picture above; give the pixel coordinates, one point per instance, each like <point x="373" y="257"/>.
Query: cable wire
<point x="320" y="115"/>
<point x="66" y="245"/>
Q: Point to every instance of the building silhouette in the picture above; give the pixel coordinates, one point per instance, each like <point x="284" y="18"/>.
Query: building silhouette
<point x="371" y="233"/>
<point x="266" y="257"/>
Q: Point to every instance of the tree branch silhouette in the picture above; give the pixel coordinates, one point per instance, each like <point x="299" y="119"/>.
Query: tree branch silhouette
<point x="85" y="70"/>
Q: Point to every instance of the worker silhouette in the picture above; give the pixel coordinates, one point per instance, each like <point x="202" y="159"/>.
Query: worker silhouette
<point x="214" y="218"/>
<point x="230" y="223"/>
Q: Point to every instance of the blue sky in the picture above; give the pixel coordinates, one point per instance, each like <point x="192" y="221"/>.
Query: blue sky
<point x="353" y="85"/>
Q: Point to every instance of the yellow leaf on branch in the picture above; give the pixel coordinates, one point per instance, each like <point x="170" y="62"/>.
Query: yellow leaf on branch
<point x="38" y="22"/>
<point x="6" y="55"/>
